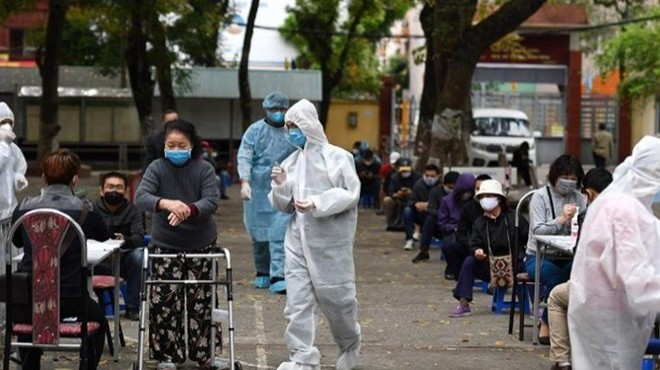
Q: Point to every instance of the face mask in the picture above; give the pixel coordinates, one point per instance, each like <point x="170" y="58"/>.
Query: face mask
<point x="113" y="198"/>
<point x="430" y="180"/>
<point x="178" y="156"/>
<point x="368" y="163"/>
<point x="356" y="151"/>
<point x="276" y="118"/>
<point x="405" y="175"/>
<point x="565" y="187"/>
<point x="488" y="203"/>
<point x="447" y="189"/>
<point x="297" y="138"/>
<point x="6" y="127"/>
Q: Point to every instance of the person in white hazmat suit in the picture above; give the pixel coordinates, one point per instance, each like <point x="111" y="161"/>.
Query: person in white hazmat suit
<point x="12" y="163"/>
<point x="615" y="280"/>
<point x="319" y="185"/>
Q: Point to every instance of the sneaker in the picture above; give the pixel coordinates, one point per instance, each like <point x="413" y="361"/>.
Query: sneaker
<point x="224" y="197"/>
<point x="416" y="236"/>
<point x="421" y="256"/>
<point x="297" y="366"/>
<point x="166" y="365"/>
<point x="261" y="282"/>
<point x="409" y="245"/>
<point x="460" y="311"/>
<point x="278" y="287"/>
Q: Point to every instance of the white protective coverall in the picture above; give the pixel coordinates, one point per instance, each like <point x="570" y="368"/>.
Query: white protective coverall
<point x="319" y="267"/>
<point x="615" y="279"/>
<point x="12" y="165"/>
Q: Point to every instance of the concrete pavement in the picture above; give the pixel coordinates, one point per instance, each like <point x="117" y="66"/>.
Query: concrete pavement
<point x="403" y="310"/>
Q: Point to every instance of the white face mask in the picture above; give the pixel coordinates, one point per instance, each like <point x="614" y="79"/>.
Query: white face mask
<point x="6" y="127"/>
<point x="488" y="203"/>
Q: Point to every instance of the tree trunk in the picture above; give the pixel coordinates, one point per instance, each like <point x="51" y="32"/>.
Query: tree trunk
<point x="139" y="75"/>
<point x="429" y="93"/>
<point x="243" y="78"/>
<point x="326" y="93"/>
<point x="49" y="70"/>
<point x="163" y="64"/>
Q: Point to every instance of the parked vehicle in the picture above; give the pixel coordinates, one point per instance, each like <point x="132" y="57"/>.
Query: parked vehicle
<point x="499" y="131"/>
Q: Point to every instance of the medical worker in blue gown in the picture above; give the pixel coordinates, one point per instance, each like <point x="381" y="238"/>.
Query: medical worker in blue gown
<point x="262" y="147"/>
<point x="319" y="186"/>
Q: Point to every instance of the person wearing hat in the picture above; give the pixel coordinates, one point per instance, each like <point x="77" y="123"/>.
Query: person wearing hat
<point x="400" y="194"/>
<point x="492" y="233"/>
<point x="12" y="163"/>
<point x="263" y="146"/>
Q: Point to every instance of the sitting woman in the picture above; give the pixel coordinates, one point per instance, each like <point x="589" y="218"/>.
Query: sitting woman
<point x="493" y="234"/>
<point x="550" y="212"/>
<point x="60" y="174"/>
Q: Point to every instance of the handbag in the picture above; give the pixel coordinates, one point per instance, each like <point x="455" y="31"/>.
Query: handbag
<point x="501" y="267"/>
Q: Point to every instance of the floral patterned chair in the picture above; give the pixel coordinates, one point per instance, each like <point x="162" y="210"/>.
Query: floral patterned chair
<point x="47" y="230"/>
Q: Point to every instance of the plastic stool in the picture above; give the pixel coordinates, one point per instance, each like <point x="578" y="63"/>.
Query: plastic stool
<point x="499" y="304"/>
<point x="146" y="240"/>
<point x="648" y="364"/>
<point x="480" y="284"/>
<point x="438" y="244"/>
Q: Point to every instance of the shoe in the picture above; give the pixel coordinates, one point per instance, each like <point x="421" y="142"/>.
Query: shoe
<point x="421" y="256"/>
<point x="545" y="339"/>
<point x="460" y="311"/>
<point x="416" y="236"/>
<point x="261" y="282"/>
<point x="166" y="365"/>
<point x="224" y="197"/>
<point x="380" y="212"/>
<point x="349" y="359"/>
<point x="219" y="364"/>
<point x="278" y="287"/>
<point x="132" y="314"/>
<point x="409" y="245"/>
<point x="449" y="276"/>
<point x="556" y="366"/>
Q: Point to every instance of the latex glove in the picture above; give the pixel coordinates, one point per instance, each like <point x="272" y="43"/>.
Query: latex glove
<point x="246" y="191"/>
<point x="20" y="182"/>
<point x="304" y="205"/>
<point x="278" y="174"/>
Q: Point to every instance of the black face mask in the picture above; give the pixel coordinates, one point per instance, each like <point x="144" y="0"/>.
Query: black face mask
<point x="113" y="198"/>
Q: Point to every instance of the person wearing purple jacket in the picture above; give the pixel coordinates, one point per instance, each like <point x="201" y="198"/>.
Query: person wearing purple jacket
<point x="448" y="215"/>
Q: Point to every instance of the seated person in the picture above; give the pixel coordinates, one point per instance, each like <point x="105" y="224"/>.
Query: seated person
<point x="469" y="212"/>
<point x="368" y="169"/>
<point x="448" y="215"/>
<point x="594" y="182"/>
<point x="387" y="171"/>
<point x="415" y="213"/>
<point x="430" y="226"/>
<point x="493" y="233"/>
<point x="126" y="223"/>
<point x="60" y="175"/>
<point x="400" y="191"/>
<point x="550" y="212"/>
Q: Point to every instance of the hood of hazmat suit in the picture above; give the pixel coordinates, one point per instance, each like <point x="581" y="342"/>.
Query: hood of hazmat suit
<point x="615" y="279"/>
<point x="12" y="169"/>
<point x="319" y="243"/>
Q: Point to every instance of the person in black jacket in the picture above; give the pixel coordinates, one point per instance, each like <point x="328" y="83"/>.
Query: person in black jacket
<point x="125" y="222"/>
<point x="155" y="147"/>
<point x="60" y="174"/>
<point x="430" y="226"/>
<point x="368" y="170"/>
<point x="415" y="213"/>
<point x="400" y="194"/>
<point x="494" y="233"/>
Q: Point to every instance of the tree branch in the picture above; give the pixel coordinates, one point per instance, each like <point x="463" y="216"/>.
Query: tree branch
<point x="343" y="56"/>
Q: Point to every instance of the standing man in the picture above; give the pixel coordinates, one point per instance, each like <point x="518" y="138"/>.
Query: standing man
<point x="126" y="223"/>
<point x="602" y="144"/>
<point x="263" y="146"/>
<point x="12" y="163"/>
<point x="319" y="185"/>
<point x="155" y="146"/>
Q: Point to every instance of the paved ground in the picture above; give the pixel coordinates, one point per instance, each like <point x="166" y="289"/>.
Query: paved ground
<point x="403" y="310"/>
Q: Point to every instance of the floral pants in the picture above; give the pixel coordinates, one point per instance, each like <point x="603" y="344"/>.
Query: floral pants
<point x="166" y="313"/>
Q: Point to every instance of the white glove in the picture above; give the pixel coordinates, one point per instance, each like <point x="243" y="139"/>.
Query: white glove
<point x="278" y="174"/>
<point x="246" y="191"/>
<point x="304" y="205"/>
<point x="20" y="182"/>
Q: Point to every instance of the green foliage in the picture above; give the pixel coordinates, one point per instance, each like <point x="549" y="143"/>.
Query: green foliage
<point x="319" y="30"/>
<point x="11" y="6"/>
<point x="397" y="67"/>
<point x="638" y="48"/>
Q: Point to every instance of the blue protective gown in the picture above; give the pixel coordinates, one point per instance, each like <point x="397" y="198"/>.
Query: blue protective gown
<point x="263" y="145"/>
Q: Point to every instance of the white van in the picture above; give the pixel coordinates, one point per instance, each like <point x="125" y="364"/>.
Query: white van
<point x="498" y="131"/>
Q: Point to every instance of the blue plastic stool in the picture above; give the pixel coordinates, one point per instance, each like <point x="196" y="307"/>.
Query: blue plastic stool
<point x="479" y="284"/>
<point x="499" y="304"/>
<point x="648" y="364"/>
<point x="438" y="244"/>
<point x="146" y="240"/>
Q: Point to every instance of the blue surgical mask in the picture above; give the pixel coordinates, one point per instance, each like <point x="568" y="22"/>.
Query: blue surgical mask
<point x="297" y="137"/>
<point x="178" y="156"/>
<point x="276" y="118"/>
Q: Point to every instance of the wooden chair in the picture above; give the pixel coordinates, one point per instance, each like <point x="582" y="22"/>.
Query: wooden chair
<point x="46" y="229"/>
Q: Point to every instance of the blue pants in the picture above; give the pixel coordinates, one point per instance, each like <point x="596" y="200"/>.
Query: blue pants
<point x="130" y="269"/>
<point x="269" y="258"/>
<point x="412" y="216"/>
<point x="472" y="269"/>
<point x="552" y="274"/>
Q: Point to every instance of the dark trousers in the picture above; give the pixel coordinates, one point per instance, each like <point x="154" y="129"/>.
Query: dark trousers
<point x="472" y="269"/>
<point x="599" y="161"/>
<point x="455" y="254"/>
<point x="523" y="170"/>
<point x="430" y="230"/>
<point x="69" y="307"/>
<point x="412" y="216"/>
<point x="371" y="188"/>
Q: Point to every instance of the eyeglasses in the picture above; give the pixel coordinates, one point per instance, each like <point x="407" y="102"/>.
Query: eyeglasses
<point x="276" y="109"/>
<point x="111" y="187"/>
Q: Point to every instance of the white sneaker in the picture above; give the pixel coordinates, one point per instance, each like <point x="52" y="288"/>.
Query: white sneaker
<point x="349" y="359"/>
<point x="416" y="235"/>
<point x="409" y="245"/>
<point x="166" y="365"/>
